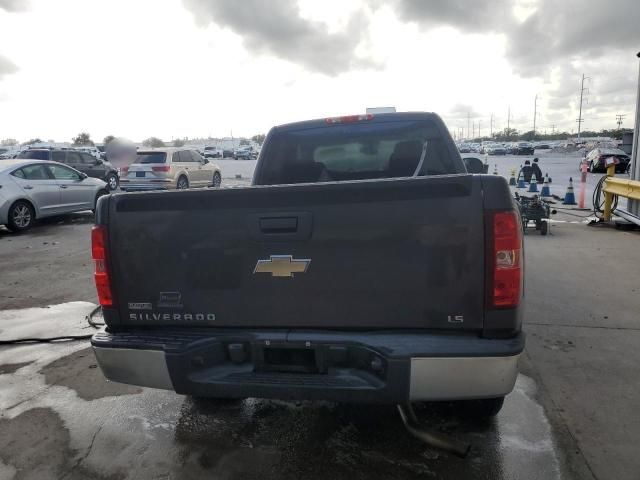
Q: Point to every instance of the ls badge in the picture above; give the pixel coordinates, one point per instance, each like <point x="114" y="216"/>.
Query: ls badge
<point x="282" y="266"/>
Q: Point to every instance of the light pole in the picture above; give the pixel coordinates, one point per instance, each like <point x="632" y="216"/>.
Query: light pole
<point x="582" y="90"/>
<point x="535" y="114"/>
<point x="634" y="170"/>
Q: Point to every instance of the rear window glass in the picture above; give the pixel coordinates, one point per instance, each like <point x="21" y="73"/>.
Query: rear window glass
<point x="35" y="154"/>
<point x="151" y="157"/>
<point x="33" y="172"/>
<point x="357" y="152"/>
<point x="58" y="156"/>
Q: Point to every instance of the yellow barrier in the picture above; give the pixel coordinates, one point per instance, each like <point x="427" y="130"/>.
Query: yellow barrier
<point x="622" y="188"/>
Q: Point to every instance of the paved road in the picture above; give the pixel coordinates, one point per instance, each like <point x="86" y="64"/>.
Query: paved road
<point x="572" y="414"/>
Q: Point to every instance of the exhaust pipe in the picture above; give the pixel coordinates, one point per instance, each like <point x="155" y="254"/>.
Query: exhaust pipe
<point x="431" y="438"/>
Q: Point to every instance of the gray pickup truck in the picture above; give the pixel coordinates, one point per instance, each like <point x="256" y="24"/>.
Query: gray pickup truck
<point x="364" y="264"/>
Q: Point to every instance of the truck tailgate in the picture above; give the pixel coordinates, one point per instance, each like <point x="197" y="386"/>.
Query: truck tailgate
<point x="393" y="253"/>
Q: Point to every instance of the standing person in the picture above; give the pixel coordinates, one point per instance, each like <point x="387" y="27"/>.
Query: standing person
<point x="536" y="170"/>
<point x="526" y="171"/>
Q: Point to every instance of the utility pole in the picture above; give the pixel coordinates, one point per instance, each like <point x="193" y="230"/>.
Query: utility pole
<point x="491" y="125"/>
<point x="474" y="130"/>
<point x="479" y="131"/>
<point x="535" y="114"/>
<point x="553" y="129"/>
<point x="508" y="120"/>
<point x="582" y="90"/>
<point x="468" y="123"/>
<point x="619" y="118"/>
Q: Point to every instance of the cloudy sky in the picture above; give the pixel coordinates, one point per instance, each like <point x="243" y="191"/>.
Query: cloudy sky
<point x="174" y="68"/>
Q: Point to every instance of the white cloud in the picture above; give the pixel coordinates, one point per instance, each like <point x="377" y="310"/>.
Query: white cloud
<point x="277" y="27"/>
<point x="7" y="67"/>
<point x="143" y="68"/>
<point x="14" y="5"/>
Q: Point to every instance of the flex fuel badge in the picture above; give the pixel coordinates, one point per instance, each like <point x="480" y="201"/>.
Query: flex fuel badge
<point x="139" y="306"/>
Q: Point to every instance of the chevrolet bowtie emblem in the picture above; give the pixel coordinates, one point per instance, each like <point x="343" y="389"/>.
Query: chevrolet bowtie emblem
<point x="282" y="266"/>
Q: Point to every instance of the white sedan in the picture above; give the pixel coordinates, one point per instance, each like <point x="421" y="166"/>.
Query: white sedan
<point x="32" y="189"/>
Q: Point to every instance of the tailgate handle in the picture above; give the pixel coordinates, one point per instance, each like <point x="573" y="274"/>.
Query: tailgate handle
<point x="279" y="224"/>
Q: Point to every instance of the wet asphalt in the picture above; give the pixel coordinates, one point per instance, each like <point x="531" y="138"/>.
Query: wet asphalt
<point x="61" y="419"/>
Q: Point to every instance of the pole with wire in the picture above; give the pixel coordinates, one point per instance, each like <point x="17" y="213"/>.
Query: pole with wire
<point x="582" y="90"/>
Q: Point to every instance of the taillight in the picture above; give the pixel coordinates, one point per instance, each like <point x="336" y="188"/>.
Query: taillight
<point x="163" y="168"/>
<point x="124" y="170"/>
<point x="349" y="119"/>
<point x="505" y="269"/>
<point x="101" y="274"/>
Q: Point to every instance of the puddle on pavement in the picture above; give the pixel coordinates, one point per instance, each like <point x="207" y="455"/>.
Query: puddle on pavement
<point x="34" y="444"/>
<point x="9" y="368"/>
<point x="322" y="440"/>
<point x="77" y="371"/>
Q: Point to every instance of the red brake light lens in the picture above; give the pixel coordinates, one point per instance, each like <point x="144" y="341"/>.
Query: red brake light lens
<point x="101" y="274"/>
<point x="506" y="275"/>
<point x="349" y="119"/>
<point x="124" y="170"/>
<point x="163" y="168"/>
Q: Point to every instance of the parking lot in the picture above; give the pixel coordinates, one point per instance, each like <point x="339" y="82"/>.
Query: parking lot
<point x="568" y="417"/>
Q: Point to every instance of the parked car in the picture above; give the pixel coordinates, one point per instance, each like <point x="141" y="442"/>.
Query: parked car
<point x="168" y="169"/>
<point x="244" y="154"/>
<point x="542" y="146"/>
<point x="102" y="152"/>
<point x="523" y="148"/>
<point x="34" y="189"/>
<point x="596" y="160"/>
<point x="81" y="161"/>
<point x="464" y="148"/>
<point x="212" y="152"/>
<point x="309" y="285"/>
<point x="94" y="151"/>
<point x="6" y="153"/>
<point x="494" y="149"/>
<point x="227" y="154"/>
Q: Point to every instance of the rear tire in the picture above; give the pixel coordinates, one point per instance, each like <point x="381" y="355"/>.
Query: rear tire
<point x="217" y="180"/>
<point x="183" y="183"/>
<point x="544" y="228"/>
<point x="21" y="216"/>
<point x="112" y="181"/>
<point x="101" y="193"/>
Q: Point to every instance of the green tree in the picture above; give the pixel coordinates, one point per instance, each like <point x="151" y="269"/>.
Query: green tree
<point x="505" y="135"/>
<point x="9" y="142"/>
<point x="529" y="136"/>
<point x="259" y="139"/>
<point x="83" y="139"/>
<point x="153" y="142"/>
<point x="107" y="139"/>
<point x="32" y="141"/>
<point x="178" y="142"/>
<point x="244" y="141"/>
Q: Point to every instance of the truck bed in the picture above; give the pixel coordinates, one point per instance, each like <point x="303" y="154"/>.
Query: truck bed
<point x="386" y="254"/>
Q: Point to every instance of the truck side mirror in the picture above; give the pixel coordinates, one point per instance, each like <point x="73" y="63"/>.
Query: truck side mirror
<point x="474" y="165"/>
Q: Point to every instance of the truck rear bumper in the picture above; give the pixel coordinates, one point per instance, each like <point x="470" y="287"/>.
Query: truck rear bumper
<point x="367" y="367"/>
